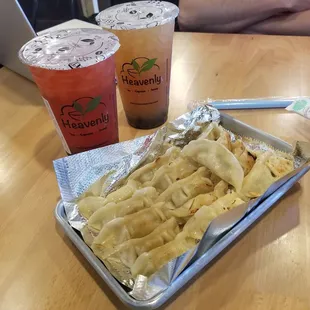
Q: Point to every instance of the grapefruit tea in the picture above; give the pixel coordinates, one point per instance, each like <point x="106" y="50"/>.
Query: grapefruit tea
<point x="75" y="72"/>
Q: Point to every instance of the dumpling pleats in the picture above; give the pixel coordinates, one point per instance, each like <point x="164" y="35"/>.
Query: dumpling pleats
<point x="218" y="159"/>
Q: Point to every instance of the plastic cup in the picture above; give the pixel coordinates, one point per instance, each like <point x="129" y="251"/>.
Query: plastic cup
<point x="143" y="63"/>
<point x="75" y="72"/>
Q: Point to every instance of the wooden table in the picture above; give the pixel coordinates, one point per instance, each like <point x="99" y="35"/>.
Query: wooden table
<point x="268" y="268"/>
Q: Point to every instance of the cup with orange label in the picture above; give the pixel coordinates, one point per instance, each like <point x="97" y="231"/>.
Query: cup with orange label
<point x="74" y="70"/>
<point x="143" y="63"/>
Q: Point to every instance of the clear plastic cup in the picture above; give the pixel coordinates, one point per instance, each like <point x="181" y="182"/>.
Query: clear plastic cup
<point x="75" y="72"/>
<point x="143" y="63"/>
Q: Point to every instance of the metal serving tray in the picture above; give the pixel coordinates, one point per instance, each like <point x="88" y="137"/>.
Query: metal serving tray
<point x="204" y="260"/>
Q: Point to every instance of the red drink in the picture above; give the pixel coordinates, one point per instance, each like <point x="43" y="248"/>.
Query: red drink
<point x="77" y="85"/>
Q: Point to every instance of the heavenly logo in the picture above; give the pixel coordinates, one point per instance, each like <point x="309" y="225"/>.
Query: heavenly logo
<point x="85" y="113"/>
<point x="132" y="73"/>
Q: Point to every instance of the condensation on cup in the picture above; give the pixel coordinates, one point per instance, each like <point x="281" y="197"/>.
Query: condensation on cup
<point x="143" y="63"/>
<point x="75" y="72"/>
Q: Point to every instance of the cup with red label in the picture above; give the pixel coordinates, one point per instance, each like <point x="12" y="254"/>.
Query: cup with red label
<point x="74" y="70"/>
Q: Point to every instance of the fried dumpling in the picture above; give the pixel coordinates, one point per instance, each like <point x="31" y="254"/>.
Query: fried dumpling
<point x="218" y="159"/>
<point x="217" y="133"/>
<point x="87" y="235"/>
<point x="245" y="159"/>
<point x="212" y="132"/>
<point x="146" y="173"/>
<point x="131" y="226"/>
<point x="88" y="205"/>
<point x="220" y="189"/>
<point x="150" y="262"/>
<point x="129" y="251"/>
<point x="168" y="174"/>
<point x="122" y="193"/>
<point x="268" y="169"/>
<point x="280" y="166"/>
<point x="192" y="206"/>
<point x="141" y="199"/>
<point x="198" y="224"/>
<point x="215" y="179"/>
<point x="224" y="139"/>
<point x="182" y="191"/>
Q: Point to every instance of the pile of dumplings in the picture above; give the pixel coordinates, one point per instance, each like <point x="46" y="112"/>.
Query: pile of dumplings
<point x="165" y="206"/>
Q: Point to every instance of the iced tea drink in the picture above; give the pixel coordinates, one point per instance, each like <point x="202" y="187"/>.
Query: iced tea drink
<point x="75" y="72"/>
<point x="143" y="63"/>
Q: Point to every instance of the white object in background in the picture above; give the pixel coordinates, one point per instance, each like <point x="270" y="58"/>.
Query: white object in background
<point x="301" y="106"/>
<point x="89" y="7"/>
<point x="73" y="23"/>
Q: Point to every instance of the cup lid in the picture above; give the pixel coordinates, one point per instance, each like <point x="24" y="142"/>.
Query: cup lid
<point x="69" y="49"/>
<point x="137" y="15"/>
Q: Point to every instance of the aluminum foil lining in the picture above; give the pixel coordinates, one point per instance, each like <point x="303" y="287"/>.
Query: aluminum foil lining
<point x="99" y="171"/>
<point x="137" y="15"/>
<point x="68" y="49"/>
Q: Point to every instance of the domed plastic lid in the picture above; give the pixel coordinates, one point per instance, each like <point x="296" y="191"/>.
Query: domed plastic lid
<point x="69" y="49"/>
<point x="137" y="15"/>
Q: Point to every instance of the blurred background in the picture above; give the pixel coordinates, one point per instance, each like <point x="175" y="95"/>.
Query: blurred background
<point x="43" y="14"/>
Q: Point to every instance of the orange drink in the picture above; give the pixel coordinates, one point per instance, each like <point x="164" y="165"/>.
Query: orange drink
<point x="143" y="63"/>
<point x="75" y="72"/>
